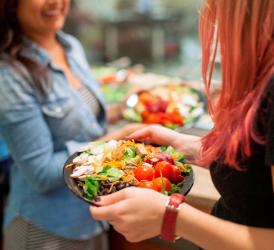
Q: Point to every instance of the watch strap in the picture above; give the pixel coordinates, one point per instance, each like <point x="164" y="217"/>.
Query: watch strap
<point x="170" y="216"/>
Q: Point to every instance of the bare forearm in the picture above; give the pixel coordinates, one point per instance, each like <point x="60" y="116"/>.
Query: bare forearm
<point x="213" y="233"/>
<point x="189" y="145"/>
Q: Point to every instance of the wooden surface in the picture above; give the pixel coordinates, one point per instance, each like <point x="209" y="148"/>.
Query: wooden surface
<point x="203" y="192"/>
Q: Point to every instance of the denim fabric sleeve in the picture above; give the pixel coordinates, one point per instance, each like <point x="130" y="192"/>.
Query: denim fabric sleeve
<point x="27" y="134"/>
<point x="74" y="146"/>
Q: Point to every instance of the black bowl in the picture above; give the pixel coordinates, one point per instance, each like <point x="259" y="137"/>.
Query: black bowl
<point x="75" y="189"/>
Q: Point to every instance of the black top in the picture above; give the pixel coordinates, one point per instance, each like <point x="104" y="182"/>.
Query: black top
<point x="247" y="196"/>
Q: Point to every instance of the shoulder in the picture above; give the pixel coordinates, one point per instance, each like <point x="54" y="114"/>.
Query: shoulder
<point x="73" y="42"/>
<point x="15" y="73"/>
<point x="14" y="86"/>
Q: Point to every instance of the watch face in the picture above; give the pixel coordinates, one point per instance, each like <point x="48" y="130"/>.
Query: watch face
<point x="107" y="167"/>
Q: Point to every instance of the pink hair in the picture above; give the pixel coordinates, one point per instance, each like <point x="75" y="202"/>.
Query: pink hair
<point x="244" y="30"/>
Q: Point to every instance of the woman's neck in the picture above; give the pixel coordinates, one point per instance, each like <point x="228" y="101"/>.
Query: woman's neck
<point x="47" y="41"/>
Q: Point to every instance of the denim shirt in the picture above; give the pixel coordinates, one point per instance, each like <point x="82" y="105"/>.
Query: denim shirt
<point x="41" y="132"/>
<point x="4" y="152"/>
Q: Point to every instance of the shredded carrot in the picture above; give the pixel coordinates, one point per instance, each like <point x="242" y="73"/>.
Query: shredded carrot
<point x="112" y="185"/>
<point x="115" y="163"/>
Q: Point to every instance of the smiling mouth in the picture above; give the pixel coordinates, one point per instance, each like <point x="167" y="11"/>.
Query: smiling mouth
<point x="53" y="13"/>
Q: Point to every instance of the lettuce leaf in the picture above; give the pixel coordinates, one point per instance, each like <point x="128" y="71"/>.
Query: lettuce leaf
<point x="111" y="174"/>
<point x="91" y="187"/>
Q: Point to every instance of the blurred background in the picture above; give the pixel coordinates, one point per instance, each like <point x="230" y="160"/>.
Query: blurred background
<point x="162" y="35"/>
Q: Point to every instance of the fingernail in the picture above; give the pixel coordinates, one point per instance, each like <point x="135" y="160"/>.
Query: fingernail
<point x="97" y="199"/>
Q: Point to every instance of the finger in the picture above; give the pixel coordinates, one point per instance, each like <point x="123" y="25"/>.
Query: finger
<point x="101" y="213"/>
<point x="110" y="199"/>
<point x="119" y="229"/>
<point x="141" y="134"/>
<point x="109" y="213"/>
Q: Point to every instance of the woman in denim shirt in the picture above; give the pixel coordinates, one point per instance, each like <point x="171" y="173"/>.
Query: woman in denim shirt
<point x="49" y="104"/>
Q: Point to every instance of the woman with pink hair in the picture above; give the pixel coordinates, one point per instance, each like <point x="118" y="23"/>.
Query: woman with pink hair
<point x="239" y="150"/>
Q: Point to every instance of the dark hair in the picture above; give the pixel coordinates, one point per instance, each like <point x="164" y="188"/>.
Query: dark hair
<point x="11" y="36"/>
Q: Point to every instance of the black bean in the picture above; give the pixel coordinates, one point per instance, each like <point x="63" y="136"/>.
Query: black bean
<point x="104" y="192"/>
<point x="120" y="186"/>
<point x="105" y="184"/>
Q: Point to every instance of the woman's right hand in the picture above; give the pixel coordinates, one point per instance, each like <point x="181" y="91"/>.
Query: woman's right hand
<point x="187" y="144"/>
<point x="155" y="134"/>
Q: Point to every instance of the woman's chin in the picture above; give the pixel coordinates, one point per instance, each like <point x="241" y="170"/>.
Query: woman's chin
<point x="54" y="24"/>
<point x="54" y="27"/>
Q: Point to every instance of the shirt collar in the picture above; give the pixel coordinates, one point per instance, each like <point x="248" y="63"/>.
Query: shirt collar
<point x="34" y="51"/>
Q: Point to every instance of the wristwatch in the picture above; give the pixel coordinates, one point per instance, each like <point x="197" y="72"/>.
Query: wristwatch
<point x="173" y="205"/>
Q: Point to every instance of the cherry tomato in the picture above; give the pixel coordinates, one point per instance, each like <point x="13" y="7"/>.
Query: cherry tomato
<point x="164" y="169"/>
<point x="161" y="183"/>
<point x="163" y="117"/>
<point x="144" y="173"/>
<point x="145" y="114"/>
<point x="177" y="118"/>
<point x="146" y="184"/>
<point x="177" y="176"/>
<point x="152" y="118"/>
<point x="146" y="97"/>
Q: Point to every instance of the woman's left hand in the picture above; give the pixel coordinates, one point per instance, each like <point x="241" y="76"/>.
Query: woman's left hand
<point x="136" y="213"/>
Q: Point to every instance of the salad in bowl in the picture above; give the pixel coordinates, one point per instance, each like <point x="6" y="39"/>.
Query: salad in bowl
<point x="106" y="167"/>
